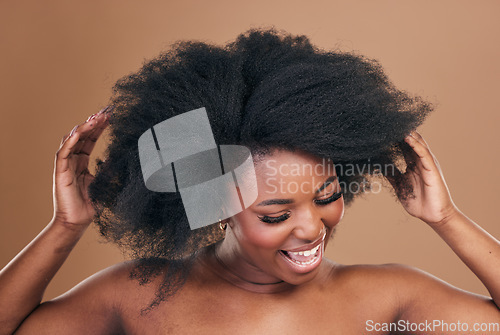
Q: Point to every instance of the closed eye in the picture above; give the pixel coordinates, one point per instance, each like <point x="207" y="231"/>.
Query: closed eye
<point x="272" y="219"/>
<point x="334" y="197"/>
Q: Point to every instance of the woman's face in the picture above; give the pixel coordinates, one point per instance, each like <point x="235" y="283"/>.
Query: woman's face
<point x="284" y="232"/>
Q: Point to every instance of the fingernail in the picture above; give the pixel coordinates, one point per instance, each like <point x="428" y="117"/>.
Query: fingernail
<point x="73" y="131"/>
<point x="106" y="109"/>
<point x="91" y="117"/>
<point x="103" y="110"/>
<point x="110" y="109"/>
<point x="109" y="113"/>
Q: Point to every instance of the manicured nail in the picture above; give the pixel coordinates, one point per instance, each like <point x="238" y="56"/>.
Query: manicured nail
<point x="106" y="109"/>
<point x="103" y="110"/>
<point x="91" y="117"/>
<point x="109" y="113"/>
<point x="110" y="109"/>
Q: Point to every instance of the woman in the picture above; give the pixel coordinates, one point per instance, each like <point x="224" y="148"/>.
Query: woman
<point x="261" y="270"/>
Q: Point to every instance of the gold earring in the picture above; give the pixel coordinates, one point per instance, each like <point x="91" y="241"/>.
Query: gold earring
<point x="222" y="225"/>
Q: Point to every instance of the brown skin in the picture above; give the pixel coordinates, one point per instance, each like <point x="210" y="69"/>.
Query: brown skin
<point x="331" y="298"/>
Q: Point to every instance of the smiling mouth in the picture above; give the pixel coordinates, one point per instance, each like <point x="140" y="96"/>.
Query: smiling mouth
<point x="305" y="257"/>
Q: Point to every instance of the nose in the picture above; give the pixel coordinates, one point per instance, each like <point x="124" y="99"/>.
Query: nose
<point x="309" y="226"/>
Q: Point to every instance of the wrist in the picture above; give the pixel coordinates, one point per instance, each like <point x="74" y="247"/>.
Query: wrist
<point x="67" y="228"/>
<point x="449" y="216"/>
<point x="64" y="236"/>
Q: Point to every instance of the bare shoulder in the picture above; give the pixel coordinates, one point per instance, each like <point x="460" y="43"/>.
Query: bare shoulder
<point x="94" y="306"/>
<point x="386" y="277"/>
<point x="409" y="283"/>
<point x="415" y="295"/>
<point x="371" y="285"/>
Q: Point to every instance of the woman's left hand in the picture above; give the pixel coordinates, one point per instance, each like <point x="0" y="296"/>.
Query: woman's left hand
<point x="431" y="200"/>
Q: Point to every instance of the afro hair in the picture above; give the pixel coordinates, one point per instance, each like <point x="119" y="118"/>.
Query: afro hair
<point x="267" y="89"/>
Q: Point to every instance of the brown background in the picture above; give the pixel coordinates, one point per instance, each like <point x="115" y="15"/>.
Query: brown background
<point x="59" y="60"/>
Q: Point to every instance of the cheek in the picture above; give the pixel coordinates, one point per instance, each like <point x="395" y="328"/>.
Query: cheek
<point x="253" y="233"/>
<point x="334" y="214"/>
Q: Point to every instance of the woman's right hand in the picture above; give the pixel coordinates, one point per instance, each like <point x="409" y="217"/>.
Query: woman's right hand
<point x="23" y="281"/>
<point x="72" y="206"/>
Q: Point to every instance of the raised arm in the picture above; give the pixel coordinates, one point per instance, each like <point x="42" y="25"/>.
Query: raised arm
<point x="432" y="203"/>
<point x="24" y="280"/>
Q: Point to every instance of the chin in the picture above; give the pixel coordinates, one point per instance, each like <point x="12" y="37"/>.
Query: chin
<point x="302" y="279"/>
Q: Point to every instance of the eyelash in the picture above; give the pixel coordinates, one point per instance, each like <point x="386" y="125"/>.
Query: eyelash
<point x="322" y="202"/>
<point x="335" y="196"/>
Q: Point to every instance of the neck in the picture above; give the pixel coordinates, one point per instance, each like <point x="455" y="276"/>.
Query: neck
<point x="230" y="265"/>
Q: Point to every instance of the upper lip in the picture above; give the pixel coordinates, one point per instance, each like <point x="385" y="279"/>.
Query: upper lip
<point x="310" y="245"/>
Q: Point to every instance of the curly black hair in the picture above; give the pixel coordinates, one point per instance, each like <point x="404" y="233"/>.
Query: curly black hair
<point x="267" y="89"/>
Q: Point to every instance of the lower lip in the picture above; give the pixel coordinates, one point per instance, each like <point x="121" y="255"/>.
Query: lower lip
<point x="304" y="268"/>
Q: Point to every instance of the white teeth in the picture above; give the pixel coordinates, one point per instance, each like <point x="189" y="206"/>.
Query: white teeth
<point x="307" y="252"/>
<point x="310" y="254"/>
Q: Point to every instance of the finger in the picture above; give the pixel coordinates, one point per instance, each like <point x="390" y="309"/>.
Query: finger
<point x="85" y="147"/>
<point x="86" y="180"/>
<point x="76" y="140"/>
<point x="81" y="163"/>
<point x="65" y="151"/>
<point x="90" y="141"/>
<point x="66" y="136"/>
<point x="63" y="139"/>
<point x="89" y="126"/>
<point x="90" y="131"/>
<point x="426" y="158"/>
<point x="420" y="139"/>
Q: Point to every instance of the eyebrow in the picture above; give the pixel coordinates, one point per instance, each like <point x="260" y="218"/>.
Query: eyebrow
<point x="291" y="201"/>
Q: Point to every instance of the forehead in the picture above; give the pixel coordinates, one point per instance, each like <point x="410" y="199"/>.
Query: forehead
<point x="284" y="173"/>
